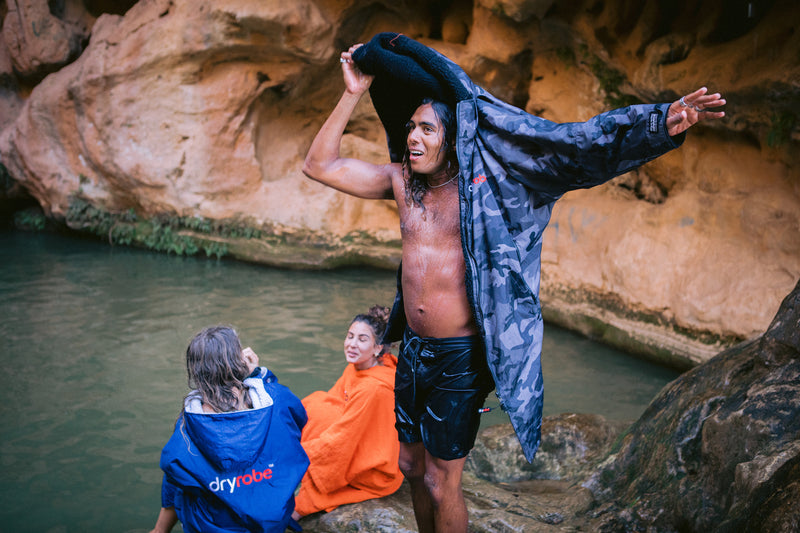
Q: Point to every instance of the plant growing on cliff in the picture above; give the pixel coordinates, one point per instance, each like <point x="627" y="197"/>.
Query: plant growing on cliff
<point x="164" y="233"/>
<point x="781" y="126"/>
<point x="566" y="55"/>
<point x="31" y="219"/>
<point x="611" y="81"/>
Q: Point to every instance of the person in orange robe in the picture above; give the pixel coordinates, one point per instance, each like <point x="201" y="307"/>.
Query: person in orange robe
<point x="350" y="437"/>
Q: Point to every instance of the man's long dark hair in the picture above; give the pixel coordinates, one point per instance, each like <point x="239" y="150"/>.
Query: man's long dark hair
<point x="417" y="184"/>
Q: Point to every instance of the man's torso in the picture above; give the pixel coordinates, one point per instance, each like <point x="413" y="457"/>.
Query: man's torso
<point x="433" y="276"/>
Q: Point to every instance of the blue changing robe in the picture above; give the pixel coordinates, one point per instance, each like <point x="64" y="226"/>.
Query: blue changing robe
<point x="237" y="471"/>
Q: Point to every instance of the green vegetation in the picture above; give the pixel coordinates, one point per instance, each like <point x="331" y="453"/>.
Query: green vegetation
<point x="31" y="219"/>
<point x="781" y="127"/>
<point x="611" y="81"/>
<point x="237" y="237"/>
<point x="566" y="55"/>
<point x="163" y="233"/>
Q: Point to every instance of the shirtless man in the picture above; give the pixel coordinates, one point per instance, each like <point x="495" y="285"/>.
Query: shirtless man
<point x="441" y="341"/>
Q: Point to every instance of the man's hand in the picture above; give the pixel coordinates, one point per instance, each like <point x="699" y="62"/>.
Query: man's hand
<point x="355" y="81"/>
<point x="691" y="109"/>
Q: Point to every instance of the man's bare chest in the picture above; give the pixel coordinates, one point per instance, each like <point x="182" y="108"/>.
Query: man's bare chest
<point x="438" y="221"/>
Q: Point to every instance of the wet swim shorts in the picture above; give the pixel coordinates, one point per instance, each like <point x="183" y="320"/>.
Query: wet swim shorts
<point x="439" y="388"/>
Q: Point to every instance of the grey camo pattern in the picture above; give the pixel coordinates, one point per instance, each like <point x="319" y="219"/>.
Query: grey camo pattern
<point x="514" y="166"/>
<point x="528" y="163"/>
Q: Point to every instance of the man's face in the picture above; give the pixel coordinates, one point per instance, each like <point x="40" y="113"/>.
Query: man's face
<point x="424" y="141"/>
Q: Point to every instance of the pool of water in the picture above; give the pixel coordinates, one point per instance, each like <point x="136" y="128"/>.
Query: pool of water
<point x="93" y="343"/>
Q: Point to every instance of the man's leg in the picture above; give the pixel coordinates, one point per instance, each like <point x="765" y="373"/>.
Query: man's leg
<point x="436" y="493"/>
<point x="443" y="484"/>
<point x="412" y="465"/>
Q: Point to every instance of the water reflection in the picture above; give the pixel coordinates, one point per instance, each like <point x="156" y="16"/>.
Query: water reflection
<point x="93" y="343"/>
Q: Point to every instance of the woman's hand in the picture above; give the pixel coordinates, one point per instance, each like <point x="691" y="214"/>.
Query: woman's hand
<point x="167" y="518"/>
<point x="691" y="109"/>
<point x="250" y="359"/>
<point x="355" y="81"/>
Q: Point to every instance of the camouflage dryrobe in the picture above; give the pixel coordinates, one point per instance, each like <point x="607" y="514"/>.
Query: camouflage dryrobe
<point x="514" y="166"/>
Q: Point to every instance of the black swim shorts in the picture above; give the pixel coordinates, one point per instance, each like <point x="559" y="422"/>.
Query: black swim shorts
<point x="440" y="387"/>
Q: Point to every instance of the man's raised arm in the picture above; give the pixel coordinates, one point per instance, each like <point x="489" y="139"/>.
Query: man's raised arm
<point x="323" y="163"/>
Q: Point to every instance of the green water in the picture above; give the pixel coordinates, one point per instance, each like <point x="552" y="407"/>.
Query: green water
<point x="93" y="339"/>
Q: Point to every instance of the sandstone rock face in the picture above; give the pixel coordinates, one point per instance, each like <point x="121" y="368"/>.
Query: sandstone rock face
<point x="206" y="109"/>
<point x="44" y="36"/>
<point x="719" y="448"/>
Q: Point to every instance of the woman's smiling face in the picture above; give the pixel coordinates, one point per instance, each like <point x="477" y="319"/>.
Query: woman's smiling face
<point x="360" y="347"/>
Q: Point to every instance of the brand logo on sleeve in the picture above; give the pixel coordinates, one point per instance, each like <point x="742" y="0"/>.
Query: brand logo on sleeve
<point x="231" y="484"/>
<point x="654" y="120"/>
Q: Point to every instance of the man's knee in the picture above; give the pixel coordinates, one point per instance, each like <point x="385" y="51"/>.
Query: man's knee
<point x="443" y="479"/>
<point x="412" y="461"/>
<point x="412" y="470"/>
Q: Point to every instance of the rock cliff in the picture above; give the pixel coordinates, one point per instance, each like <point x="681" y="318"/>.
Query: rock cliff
<point x="125" y="118"/>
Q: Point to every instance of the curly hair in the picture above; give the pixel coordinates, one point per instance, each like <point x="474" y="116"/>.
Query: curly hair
<point x="217" y="369"/>
<point x="417" y="184"/>
<point x="376" y="318"/>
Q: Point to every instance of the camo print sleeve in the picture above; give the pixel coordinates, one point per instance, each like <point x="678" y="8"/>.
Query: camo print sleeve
<point x="514" y="167"/>
<point x="551" y="159"/>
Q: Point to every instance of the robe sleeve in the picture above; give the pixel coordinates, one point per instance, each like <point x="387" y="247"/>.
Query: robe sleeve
<point x="168" y="492"/>
<point x="296" y="411"/>
<point x="332" y="453"/>
<point x="552" y="159"/>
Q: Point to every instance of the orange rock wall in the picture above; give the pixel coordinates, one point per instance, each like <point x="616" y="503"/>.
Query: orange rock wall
<point x="207" y="108"/>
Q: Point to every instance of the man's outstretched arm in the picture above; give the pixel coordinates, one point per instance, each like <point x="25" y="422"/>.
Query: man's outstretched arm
<point x="552" y="159"/>
<point x="323" y="162"/>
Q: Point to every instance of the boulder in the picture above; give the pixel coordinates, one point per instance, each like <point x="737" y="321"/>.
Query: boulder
<point x="571" y="443"/>
<point x="719" y="448"/>
<point x="43" y="37"/>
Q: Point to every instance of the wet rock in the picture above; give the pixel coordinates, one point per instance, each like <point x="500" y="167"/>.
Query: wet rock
<point x="524" y="507"/>
<point x="719" y="448"/>
<point x="385" y="515"/>
<point x="503" y="492"/>
<point x="570" y="444"/>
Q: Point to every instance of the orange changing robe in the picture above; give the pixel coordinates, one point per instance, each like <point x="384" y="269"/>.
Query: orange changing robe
<point x="351" y="440"/>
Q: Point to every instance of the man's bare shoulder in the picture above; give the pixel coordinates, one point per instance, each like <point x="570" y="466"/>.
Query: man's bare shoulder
<point x="397" y="176"/>
<point x="395" y="169"/>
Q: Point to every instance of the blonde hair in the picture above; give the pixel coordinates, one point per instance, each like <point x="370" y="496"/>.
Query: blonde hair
<point x="217" y="369"/>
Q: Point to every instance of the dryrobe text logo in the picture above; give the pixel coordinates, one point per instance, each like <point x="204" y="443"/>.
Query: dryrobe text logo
<point x="237" y="481"/>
